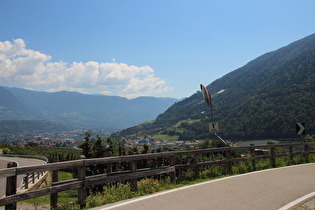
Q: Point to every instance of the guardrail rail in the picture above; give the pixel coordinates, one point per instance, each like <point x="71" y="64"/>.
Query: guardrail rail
<point x="169" y="163"/>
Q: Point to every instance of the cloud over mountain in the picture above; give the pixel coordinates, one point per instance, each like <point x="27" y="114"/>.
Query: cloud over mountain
<point x="24" y="67"/>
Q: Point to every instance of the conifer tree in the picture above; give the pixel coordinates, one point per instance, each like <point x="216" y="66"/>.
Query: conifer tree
<point x="98" y="148"/>
<point x="111" y="150"/>
<point x="86" y="146"/>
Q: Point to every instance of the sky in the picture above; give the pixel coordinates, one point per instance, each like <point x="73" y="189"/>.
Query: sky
<point x="132" y="48"/>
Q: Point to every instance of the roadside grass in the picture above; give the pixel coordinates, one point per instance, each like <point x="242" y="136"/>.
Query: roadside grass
<point x="121" y="191"/>
<point x="187" y="177"/>
<point x="69" y="197"/>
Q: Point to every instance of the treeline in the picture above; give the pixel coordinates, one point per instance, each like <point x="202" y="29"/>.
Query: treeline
<point x="99" y="147"/>
<point x="34" y="149"/>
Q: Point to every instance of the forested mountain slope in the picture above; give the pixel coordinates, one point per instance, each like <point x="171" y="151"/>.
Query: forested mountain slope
<point x="263" y="99"/>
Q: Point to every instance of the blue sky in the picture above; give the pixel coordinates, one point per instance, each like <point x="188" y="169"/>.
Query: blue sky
<point x="131" y="48"/>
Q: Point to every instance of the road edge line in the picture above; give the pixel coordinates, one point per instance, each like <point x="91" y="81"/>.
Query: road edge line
<point x="298" y="201"/>
<point x="132" y="200"/>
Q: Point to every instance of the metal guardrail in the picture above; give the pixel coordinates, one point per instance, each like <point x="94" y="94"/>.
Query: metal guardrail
<point x="30" y="179"/>
<point x="27" y="156"/>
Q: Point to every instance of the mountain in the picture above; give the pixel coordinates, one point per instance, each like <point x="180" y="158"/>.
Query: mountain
<point x="263" y="99"/>
<point x="76" y="109"/>
<point x="12" y="108"/>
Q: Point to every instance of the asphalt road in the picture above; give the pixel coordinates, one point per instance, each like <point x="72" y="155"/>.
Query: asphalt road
<point x="268" y="189"/>
<point x="21" y="162"/>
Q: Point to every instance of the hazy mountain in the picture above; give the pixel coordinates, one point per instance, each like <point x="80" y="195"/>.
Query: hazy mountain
<point x="72" y="108"/>
<point x="263" y="99"/>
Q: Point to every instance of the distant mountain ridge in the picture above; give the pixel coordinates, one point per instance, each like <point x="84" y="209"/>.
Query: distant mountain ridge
<point x="76" y="109"/>
<point x="263" y="99"/>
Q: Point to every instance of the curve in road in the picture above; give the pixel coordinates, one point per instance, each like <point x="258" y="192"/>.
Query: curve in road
<point x="267" y="189"/>
<point x="21" y="162"/>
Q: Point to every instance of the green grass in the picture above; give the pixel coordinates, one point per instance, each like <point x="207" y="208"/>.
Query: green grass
<point x="146" y="186"/>
<point x="122" y="192"/>
<point x="166" y="137"/>
<point x="69" y="197"/>
<point x="190" y="121"/>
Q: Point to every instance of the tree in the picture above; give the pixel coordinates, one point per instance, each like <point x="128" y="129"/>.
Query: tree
<point x="121" y="149"/>
<point x="5" y="151"/>
<point x="98" y="148"/>
<point x="31" y="144"/>
<point x="134" y="150"/>
<point x="217" y="143"/>
<point x="145" y="148"/>
<point x="86" y="146"/>
<point x="111" y="150"/>
<point x="205" y="144"/>
<point x="309" y="138"/>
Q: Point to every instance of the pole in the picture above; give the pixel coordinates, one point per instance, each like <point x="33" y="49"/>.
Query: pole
<point x="11" y="186"/>
<point x="221" y="139"/>
<point x="208" y="100"/>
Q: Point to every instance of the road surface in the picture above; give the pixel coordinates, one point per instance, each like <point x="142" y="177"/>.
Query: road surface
<point x="268" y="189"/>
<point x="21" y="162"/>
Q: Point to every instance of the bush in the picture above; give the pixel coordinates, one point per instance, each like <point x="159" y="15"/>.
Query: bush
<point x="116" y="193"/>
<point x="6" y="151"/>
<point x="148" y="186"/>
<point x="242" y="167"/>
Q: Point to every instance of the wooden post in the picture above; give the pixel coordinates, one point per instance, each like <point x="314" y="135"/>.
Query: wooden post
<point x="196" y="168"/>
<point x="133" y="169"/>
<point x="26" y="181"/>
<point x="54" y="196"/>
<point x="33" y="178"/>
<point x="291" y="154"/>
<point x="252" y="151"/>
<point x="306" y="152"/>
<point x="158" y="165"/>
<point x="11" y="186"/>
<point x="109" y="165"/>
<point x="273" y="156"/>
<point x="172" y="174"/>
<point x="229" y="157"/>
<point x="81" y="177"/>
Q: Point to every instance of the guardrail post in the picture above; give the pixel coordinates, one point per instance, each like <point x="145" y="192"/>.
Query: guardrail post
<point x="11" y="186"/>
<point x="306" y="152"/>
<point x="33" y="178"/>
<point x="133" y="169"/>
<point x="172" y="174"/>
<point x="26" y="181"/>
<point x="158" y="165"/>
<point x="109" y="165"/>
<point x="273" y="156"/>
<point x="81" y="177"/>
<point x="291" y="154"/>
<point x="229" y="157"/>
<point x="54" y="196"/>
<point x="196" y="168"/>
<point x="252" y="151"/>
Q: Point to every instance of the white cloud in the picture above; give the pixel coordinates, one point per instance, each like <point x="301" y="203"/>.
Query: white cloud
<point x="32" y="69"/>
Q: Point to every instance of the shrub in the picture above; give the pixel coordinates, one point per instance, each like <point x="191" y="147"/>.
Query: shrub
<point x="148" y="186"/>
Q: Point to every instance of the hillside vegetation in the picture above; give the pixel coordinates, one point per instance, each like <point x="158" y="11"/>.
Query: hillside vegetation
<point x="263" y="99"/>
